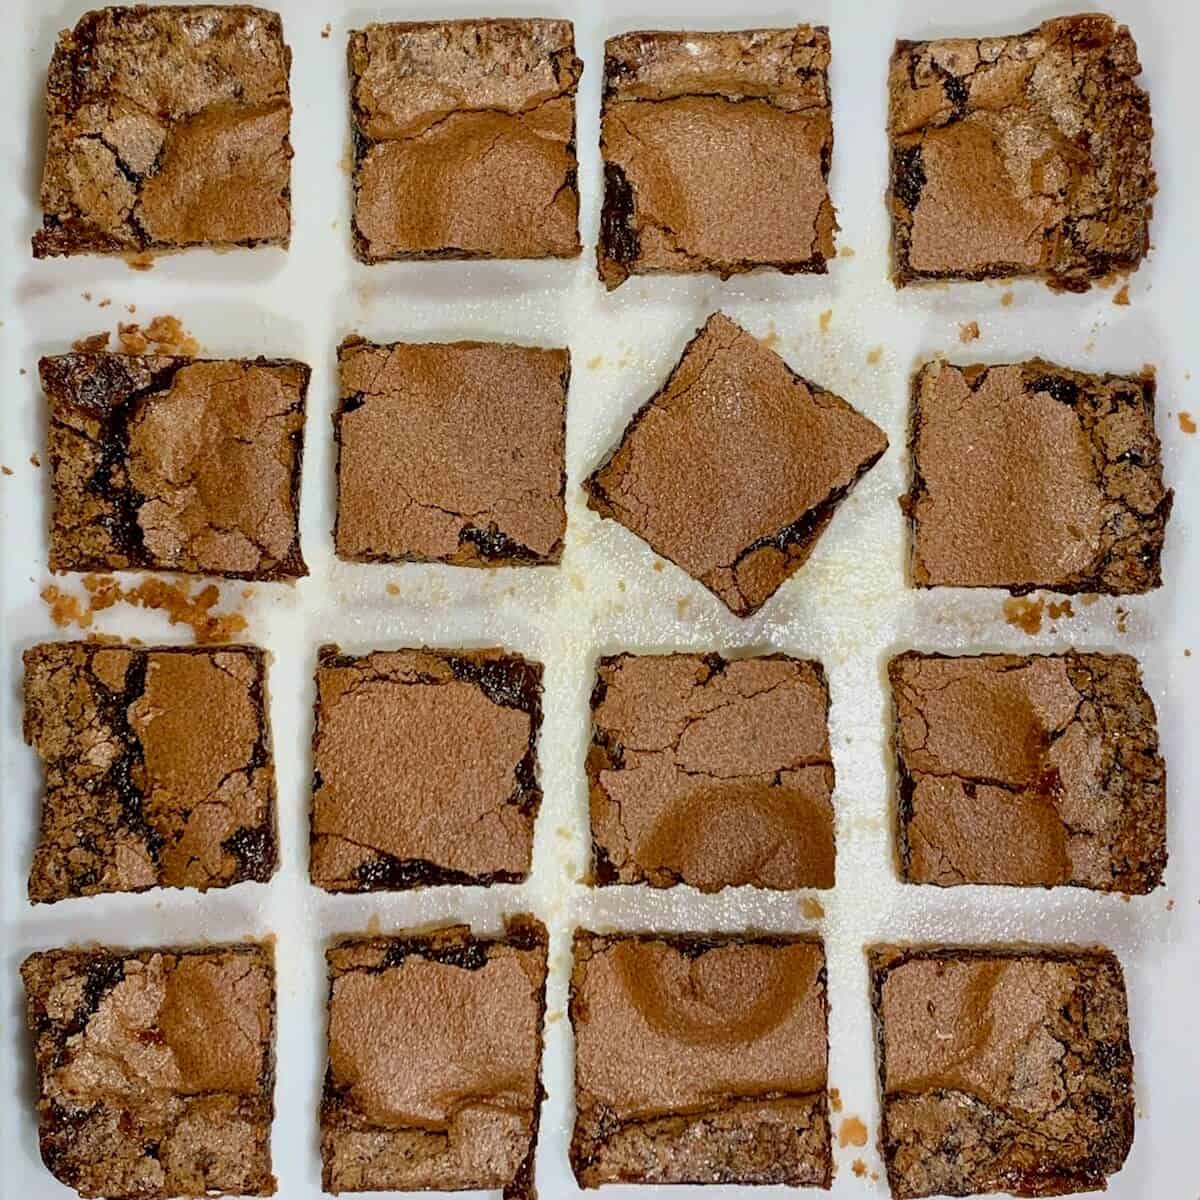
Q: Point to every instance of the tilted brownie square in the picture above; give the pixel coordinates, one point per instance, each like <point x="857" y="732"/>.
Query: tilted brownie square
<point x="176" y="464"/>
<point x="424" y="768"/>
<point x="1001" y="1070"/>
<point x="1021" y="155"/>
<point x="716" y="153"/>
<point x="434" y="1075"/>
<point x="168" y="128"/>
<point x="1028" y="769"/>
<point x="712" y="772"/>
<point x="1029" y="475"/>
<point x="464" y="140"/>
<point x="158" y="767"/>
<point x="700" y="1060"/>
<point x="734" y="468"/>
<point x="155" y="1069"/>
<point x="451" y="452"/>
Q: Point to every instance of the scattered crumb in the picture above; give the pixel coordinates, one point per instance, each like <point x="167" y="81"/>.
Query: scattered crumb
<point x="22" y="371"/>
<point x="90" y="344"/>
<point x="373" y="924"/>
<point x="1149" y="370"/>
<point x="554" y="1016"/>
<point x="393" y="589"/>
<point x="846" y="252"/>
<point x="1059" y="608"/>
<point x="824" y="319"/>
<point x="104" y="303"/>
<point x="859" y="1167"/>
<point x="1089" y="346"/>
<point x="1126" y="898"/>
<point x="34" y="461"/>
<point x="6" y="470"/>
<point x="852" y="1133"/>
<point x="87" y="295"/>
<point x="771" y="340"/>
<point x="65" y="609"/>
<point x="1186" y="652"/>
<point x="681" y="606"/>
<point x="1122" y="617"/>
<point x="873" y="356"/>
<point x="346" y="162"/>
<point x="658" y="564"/>
<point x="1170" y="906"/>
<point x="1088" y="600"/>
<point x="811" y="907"/>
<point x="327" y="30"/>
<point x="247" y="593"/>
<point x="968" y="331"/>
<point x="595" y="363"/>
<point x="1122" y="297"/>
<point x="163" y="335"/>
<point x="835" y="1100"/>
<point x="1006" y="299"/>
<point x="1025" y="614"/>
<point x="1186" y="422"/>
<point x="131" y="308"/>
<point x="142" y="261"/>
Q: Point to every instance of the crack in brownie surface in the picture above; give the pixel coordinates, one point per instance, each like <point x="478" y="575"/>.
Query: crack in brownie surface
<point x="156" y="1069"/>
<point x="1029" y="475"/>
<point x="1022" y="155"/>
<point x="1001" y="1071"/>
<point x="464" y="136"/>
<point x="434" y="1073"/>
<point x="735" y="467"/>
<point x="1027" y="770"/>
<point x="168" y="127"/>
<point x="176" y="464"/>
<point x="157" y="764"/>
<point x="716" y="153"/>
<point x="711" y="772"/>
<point x="425" y="768"/>
<point x="700" y="1060"/>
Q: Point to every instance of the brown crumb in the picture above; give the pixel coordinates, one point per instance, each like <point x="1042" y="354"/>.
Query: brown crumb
<point x="143" y="260"/>
<point x="34" y="461"/>
<point x="771" y="340"/>
<point x="104" y="303"/>
<point x="852" y="1133"/>
<point x="859" y="1167"/>
<point x="1170" y="906"/>
<point x="393" y="589"/>
<point x="824" y="319"/>
<point x="327" y="30"/>
<point x="1006" y="299"/>
<point x="1186" y="652"/>
<point x="1024" y="614"/>
<point x="811" y="908"/>
<point x="681" y="607"/>
<point x="1122" y="296"/>
<point x="658" y="564"/>
<point x="835" y="1099"/>
<point x="1088" y="600"/>
<point x="595" y="362"/>
<point x="22" y="371"/>
<point x="968" y="331"/>
<point x="165" y="335"/>
<point x="91" y="343"/>
<point x="1122" y="618"/>
<point x="65" y="609"/>
<point x="374" y="927"/>
<point x="131" y="309"/>
<point x="846" y="252"/>
<point x="873" y="356"/>
<point x="6" y="470"/>
<point x="1186" y="422"/>
<point x="1059" y="608"/>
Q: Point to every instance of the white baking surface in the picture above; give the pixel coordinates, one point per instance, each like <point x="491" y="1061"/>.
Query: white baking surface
<point x="849" y="605"/>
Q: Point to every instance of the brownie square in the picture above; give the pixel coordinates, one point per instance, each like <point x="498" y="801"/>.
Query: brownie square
<point x="168" y="128"/>
<point x="711" y="772"/>
<point x="424" y="768"/>
<point x="1028" y="475"/>
<point x="176" y="464"/>
<point x="1028" y="769"/>
<point x="700" y="1060"/>
<point x="735" y="467"/>
<point x="1022" y="155"/>
<point x="155" y="1069"/>
<point x="716" y="153"/>
<point x="158" y="767"/>
<point x="464" y="140"/>
<point x="1001" y="1070"/>
<point x="434" y="1075"/>
<point x="451" y="452"/>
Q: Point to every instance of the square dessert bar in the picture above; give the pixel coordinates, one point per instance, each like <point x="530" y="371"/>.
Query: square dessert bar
<point x="464" y="140"/>
<point x="711" y="772"/>
<point x="158" y="767"/>
<point x="434" y="1076"/>
<point x="155" y="1069"/>
<point x="451" y="452"/>
<point x="1022" y="155"/>
<point x="1028" y="769"/>
<point x="1001" y="1070"/>
<point x="168" y="128"/>
<point x="424" y="768"/>
<point x="700" y="1060"/>
<point x="716" y="153"/>
<point x="734" y="468"/>
<point x="176" y="464"/>
<point x="1028" y="475"/>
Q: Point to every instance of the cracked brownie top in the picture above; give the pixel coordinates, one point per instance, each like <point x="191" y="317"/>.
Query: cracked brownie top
<point x="699" y="1060"/>
<point x="1029" y="475"/>
<point x="464" y="135"/>
<point x="1028" y="770"/>
<point x="716" y="153"/>
<point x="158" y="768"/>
<point x="735" y="467"/>
<point x="711" y="772"/>
<point x="155" y="1069"/>
<point x="425" y="768"/>
<point x="1023" y="155"/>
<point x="176" y="464"/>
<point x="1002" y="1071"/>
<point x="168" y="127"/>
<point x="451" y="452"/>
<point x="434" y="1074"/>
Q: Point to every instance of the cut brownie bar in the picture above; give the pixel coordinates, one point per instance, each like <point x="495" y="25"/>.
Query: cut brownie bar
<point x="1037" y="769"/>
<point x="1029" y="475"/>
<point x="711" y="772"/>
<point x="434" y="1075"/>
<point x="425" y="768"/>
<point x="168" y="128"/>
<point x="700" y="1060"/>
<point x="158" y="767"/>
<point x="1002" y="1070"/>
<point x="451" y="452"/>
<point x="176" y="464"/>
<point x="716" y="153"/>
<point x="464" y="140"/>
<point x="1022" y="155"/>
<point x="156" y="1069"/>
<point x="735" y="467"/>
